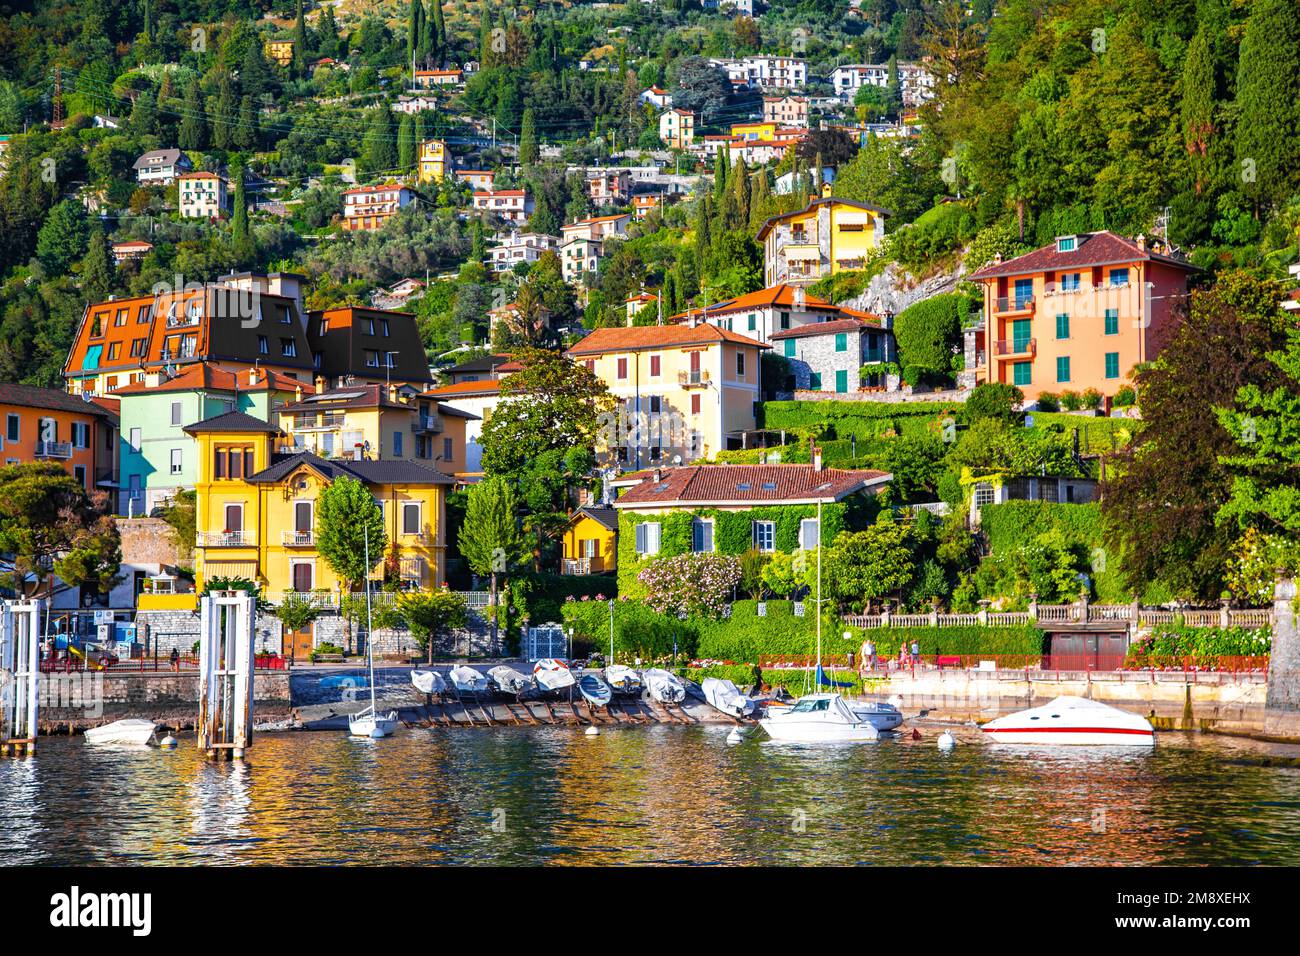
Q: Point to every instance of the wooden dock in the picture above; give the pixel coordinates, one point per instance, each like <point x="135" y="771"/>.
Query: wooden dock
<point x="468" y="711"/>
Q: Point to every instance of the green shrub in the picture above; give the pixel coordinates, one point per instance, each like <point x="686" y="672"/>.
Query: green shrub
<point x="1170" y="644"/>
<point x="926" y="333"/>
<point x="1049" y="402"/>
<point x="1015" y="524"/>
<point x="1071" y="400"/>
<point x="1125" y="396"/>
<point x="1091" y="398"/>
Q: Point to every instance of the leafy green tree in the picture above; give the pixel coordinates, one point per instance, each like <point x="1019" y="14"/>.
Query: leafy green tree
<point x="97" y="269"/>
<point x="864" y="566"/>
<point x="927" y="332"/>
<point x="995" y="400"/>
<point x="64" y="237"/>
<point x="406" y="143"/>
<point x="490" y="539"/>
<point x="224" y="114"/>
<point x="379" y="145"/>
<point x="194" y="126"/>
<point x="427" y="615"/>
<point x="50" y="526"/>
<point x="348" y="523"/>
<point x="1268" y="101"/>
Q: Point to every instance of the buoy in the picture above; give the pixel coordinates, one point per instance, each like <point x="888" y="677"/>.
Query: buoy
<point x="916" y="734"/>
<point x="735" y="736"/>
<point x="167" y="743"/>
<point x="376" y="734"/>
<point x="897" y="701"/>
<point x="947" y="741"/>
<point x="592" y="731"/>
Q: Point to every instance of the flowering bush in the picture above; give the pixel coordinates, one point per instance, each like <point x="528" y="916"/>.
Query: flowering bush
<point x="690" y="584"/>
<point x="1178" y="645"/>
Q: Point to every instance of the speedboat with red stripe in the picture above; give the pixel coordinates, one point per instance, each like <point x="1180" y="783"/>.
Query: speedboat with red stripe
<point x="1072" y="720"/>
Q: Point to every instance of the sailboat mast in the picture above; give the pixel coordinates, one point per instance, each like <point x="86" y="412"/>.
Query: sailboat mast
<point x="370" y="651"/>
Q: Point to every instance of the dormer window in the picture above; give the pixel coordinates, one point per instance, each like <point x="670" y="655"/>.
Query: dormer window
<point x="1067" y="243"/>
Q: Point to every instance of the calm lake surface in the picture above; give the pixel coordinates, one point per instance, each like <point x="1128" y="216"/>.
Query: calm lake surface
<point x="646" y="795"/>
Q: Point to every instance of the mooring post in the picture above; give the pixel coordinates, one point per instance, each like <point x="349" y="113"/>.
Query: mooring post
<point x="20" y="671"/>
<point x="225" y="724"/>
<point x="1282" y="703"/>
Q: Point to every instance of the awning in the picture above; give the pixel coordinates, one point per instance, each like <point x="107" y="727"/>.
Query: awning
<point x="230" y="569"/>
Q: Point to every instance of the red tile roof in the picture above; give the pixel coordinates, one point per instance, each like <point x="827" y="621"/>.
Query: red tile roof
<point x="625" y="339"/>
<point x="822" y="328"/>
<point x="697" y="485"/>
<point x="465" y="389"/>
<point x="781" y="295"/>
<point x="202" y="375"/>
<point x="1094" y="249"/>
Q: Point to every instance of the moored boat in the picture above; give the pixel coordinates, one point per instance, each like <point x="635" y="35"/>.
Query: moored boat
<point x="726" y="697"/>
<point x="664" y="686"/>
<point x="596" y="692"/>
<point x="369" y="723"/>
<point x="466" y="680"/>
<point x="818" y="718"/>
<point x="881" y="715"/>
<point x="132" y="730"/>
<point x="1074" y="721"/>
<point x="623" y="679"/>
<point x="428" y="682"/>
<point x="509" y="681"/>
<point x="552" y="674"/>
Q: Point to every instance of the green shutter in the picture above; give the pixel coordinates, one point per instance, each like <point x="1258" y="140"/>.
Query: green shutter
<point x="1112" y="365"/>
<point x="841" y="342"/>
<point x="1021" y="333"/>
<point x="1063" y="326"/>
<point x="789" y="348"/>
<point x="1021" y="373"/>
<point x="815" y="381"/>
<point x="1112" y="321"/>
<point x="841" y="380"/>
<point x="1063" y="368"/>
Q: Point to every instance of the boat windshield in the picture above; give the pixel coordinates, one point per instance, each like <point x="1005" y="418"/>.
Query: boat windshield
<point x="807" y="706"/>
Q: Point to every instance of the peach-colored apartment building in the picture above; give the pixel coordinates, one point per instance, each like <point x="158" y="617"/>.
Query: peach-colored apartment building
<point x="1079" y="313"/>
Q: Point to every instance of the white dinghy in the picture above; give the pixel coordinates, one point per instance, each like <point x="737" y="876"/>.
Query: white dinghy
<point x="553" y="675"/>
<point x="1075" y="721"/>
<point x="726" y="697"/>
<point x="428" y="682"/>
<point x="623" y="679"/>
<point x="664" y="686"/>
<point x="132" y="730"/>
<point x="818" y="718"/>
<point x="466" y="680"/>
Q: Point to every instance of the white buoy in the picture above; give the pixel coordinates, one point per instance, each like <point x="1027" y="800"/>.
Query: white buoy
<point x="735" y="736"/>
<point x="947" y="741"/>
<point x="592" y="731"/>
<point x="167" y="743"/>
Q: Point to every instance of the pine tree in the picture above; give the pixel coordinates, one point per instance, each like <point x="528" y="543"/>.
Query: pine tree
<point x="1199" y="89"/>
<point x="441" y="50"/>
<point x="1268" y="101"/>
<point x="254" y="75"/>
<point x="245" y="131"/>
<point x="529" y="152"/>
<point x="406" y="143"/>
<point x="144" y="115"/>
<point x="223" y="114"/>
<point x="327" y="31"/>
<point x="194" y="127"/>
<point x="97" y="267"/>
<point x="300" y="51"/>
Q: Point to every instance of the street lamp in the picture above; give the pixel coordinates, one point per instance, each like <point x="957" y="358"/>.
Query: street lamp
<point x="611" y="631"/>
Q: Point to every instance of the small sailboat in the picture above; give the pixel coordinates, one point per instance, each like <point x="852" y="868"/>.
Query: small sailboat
<point x="466" y="680"/>
<point x="552" y="674"/>
<point x="429" y="682"/>
<point x="370" y="722"/>
<point x="623" y="680"/>
<point x="509" y="681"/>
<point x="664" y="686"/>
<point x="726" y="697"/>
<point x="595" y="690"/>
<point x="132" y="730"/>
<point x="1072" y="720"/>
<point x="818" y="718"/>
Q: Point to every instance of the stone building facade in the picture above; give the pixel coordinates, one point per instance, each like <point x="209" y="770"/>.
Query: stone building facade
<point x="828" y="356"/>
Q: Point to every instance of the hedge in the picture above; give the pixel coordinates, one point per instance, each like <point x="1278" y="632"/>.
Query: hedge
<point x="1011" y="525"/>
<point x="548" y="592"/>
<point x="866" y="420"/>
<point x="638" y="631"/>
<point x="1198" y="645"/>
<point x="732" y="532"/>
<point x="1016" y="640"/>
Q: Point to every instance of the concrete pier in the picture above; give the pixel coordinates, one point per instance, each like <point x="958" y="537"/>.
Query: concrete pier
<point x="1282" y="708"/>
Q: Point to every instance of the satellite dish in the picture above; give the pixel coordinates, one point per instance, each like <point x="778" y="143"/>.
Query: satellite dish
<point x="677" y="459"/>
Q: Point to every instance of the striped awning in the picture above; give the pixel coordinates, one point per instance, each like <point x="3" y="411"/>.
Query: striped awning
<point x="230" y="569"/>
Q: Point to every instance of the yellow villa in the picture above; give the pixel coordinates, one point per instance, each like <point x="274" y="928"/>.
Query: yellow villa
<point x="827" y="236"/>
<point x="256" y="510"/>
<point x="433" y="161"/>
<point x="684" y="391"/>
<point x="590" y="541"/>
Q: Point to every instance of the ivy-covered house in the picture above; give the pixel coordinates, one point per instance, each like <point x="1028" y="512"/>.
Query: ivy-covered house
<point x="732" y="509"/>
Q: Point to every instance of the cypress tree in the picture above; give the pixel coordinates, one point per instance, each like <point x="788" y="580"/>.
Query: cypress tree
<point x="97" y="267"/>
<point x="741" y="194"/>
<point x="224" y="114"/>
<point x="1268" y="101"/>
<point x="327" y="32"/>
<point x="406" y="143"/>
<point x="246" y="129"/>
<point x="529" y="151"/>
<point x="703" y="239"/>
<point x="194" y="127"/>
<point x="144" y="116"/>
<point x="1198" y="112"/>
<point x="720" y="165"/>
<point x="379" y="145"/>
<point x="239" y="216"/>
<point x="440" y="50"/>
<point x="254" y="76"/>
<point x="414" y="32"/>
<point x="299" y="64"/>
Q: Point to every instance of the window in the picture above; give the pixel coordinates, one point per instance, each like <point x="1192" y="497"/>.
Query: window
<point x="1024" y="292"/>
<point x="1070" y="282"/>
<point x="1021" y="373"/>
<point x="176" y="462"/>
<point x="647" y="538"/>
<point x="232" y="461"/>
<point x="815" y="381"/>
<point x="114" y="350"/>
<point x="284" y="315"/>
<point x="983" y="494"/>
<point x="1067" y="243"/>
<point x="1021" y="330"/>
<point x="1112" y="365"/>
<point x="785" y="320"/>
<point x="808" y="536"/>
<point x="1119" y="277"/>
<point x="695" y="404"/>
<point x="701" y="535"/>
<point x="383" y="327"/>
<point x="841" y="341"/>
<point x="79" y="472"/>
<point x="135" y="439"/>
<point x="81" y="434"/>
<point x="448" y="449"/>
<point x="1063" y="368"/>
<point x="234" y="519"/>
<point x="622" y="368"/>
<point x="841" y="380"/>
<point x="411" y="523"/>
<point x="176" y="413"/>
<point x="740" y="364"/>
<point x="288" y="347"/>
<point x="397" y="444"/>
<point x="120" y="317"/>
<point x="372" y="359"/>
<point x="753" y="322"/>
<point x="133" y="486"/>
<point x="789" y="348"/>
<point x="12" y="427"/>
<point x="1062" y="326"/>
<point x="1112" y="321"/>
<point x="765" y="535"/>
<point x="370" y="326"/>
<point x="144" y="315"/>
<point x="137" y="347"/>
<point x="654" y="366"/>
<point x="263" y="346"/>
<point x="322" y="327"/>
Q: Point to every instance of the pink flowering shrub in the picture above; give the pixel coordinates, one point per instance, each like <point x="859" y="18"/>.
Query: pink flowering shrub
<point x="690" y="584"/>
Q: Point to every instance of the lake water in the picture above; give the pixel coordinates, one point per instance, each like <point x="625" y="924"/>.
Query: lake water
<point x="646" y="795"/>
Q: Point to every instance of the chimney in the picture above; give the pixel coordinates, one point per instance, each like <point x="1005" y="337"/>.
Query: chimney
<point x="320" y="383"/>
<point x="252" y="376"/>
<point x="659" y="475"/>
<point x="297" y="393"/>
<point x="815" y="454"/>
<point x="1142" y="242"/>
<point x="997" y="257"/>
<point x="392" y="394"/>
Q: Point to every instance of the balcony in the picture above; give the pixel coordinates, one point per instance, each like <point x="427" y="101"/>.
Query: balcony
<point x="298" y="539"/>
<point x="1015" y="305"/>
<point x="54" y="449"/>
<point x="1015" y="348"/>
<point x="331" y="421"/>
<point x="695" y="378"/>
<point x="582" y="565"/>
<point x="226" y="539"/>
<point x="426" y="423"/>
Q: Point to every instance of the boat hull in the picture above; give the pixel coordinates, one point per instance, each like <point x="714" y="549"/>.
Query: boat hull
<point x="1080" y="737"/>
<point x="883" y="717"/>
<point x="1072" y="721"/>
<point x="129" y="731"/>
<point x="371" y="725"/>
<point x="817" y="732"/>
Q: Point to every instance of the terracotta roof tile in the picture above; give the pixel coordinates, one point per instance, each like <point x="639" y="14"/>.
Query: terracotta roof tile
<point x="696" y="485"/>
<point x="1094" y="248"/>
<point x="822" y="328"/>
<point x="203" y="375"/>
<point x="623" y="339"/>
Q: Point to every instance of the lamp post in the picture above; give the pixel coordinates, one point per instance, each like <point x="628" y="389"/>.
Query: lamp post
<point x="570" y="643"/>
<point x="611" y="631"/>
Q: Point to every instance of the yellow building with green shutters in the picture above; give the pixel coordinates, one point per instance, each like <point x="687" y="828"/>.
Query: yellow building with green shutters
<point x="826" y="237"/>
<point x="256" y="509"/>
<point x="590" y="541"/>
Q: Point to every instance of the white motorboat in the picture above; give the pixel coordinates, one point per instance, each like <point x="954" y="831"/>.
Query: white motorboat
<point x="370" y="722"/>
<point x="664" y="686"/>
<point x="623" y="679"/>
<point x="132" y="730"/>
<point x="1072" y="720"/>
<point x="428" y="682"/>
<point x="507" y="680"/>
<point x="881" y="715"/>
<point x="552" y="674"/>
<point x="818" y="718"/>
<point x="726" y="697"/>
<point x="466" y="680"/>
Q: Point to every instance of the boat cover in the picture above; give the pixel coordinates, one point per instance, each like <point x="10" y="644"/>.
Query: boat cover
<point x="428" y="682"/>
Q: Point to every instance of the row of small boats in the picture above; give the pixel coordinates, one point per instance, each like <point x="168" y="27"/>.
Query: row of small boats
<point x="551" y="677"/>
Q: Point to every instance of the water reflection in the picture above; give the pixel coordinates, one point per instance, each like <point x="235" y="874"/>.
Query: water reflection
<point x="649" y="795"/>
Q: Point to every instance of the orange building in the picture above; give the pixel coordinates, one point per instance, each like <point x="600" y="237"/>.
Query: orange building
<point x="46" y="424"/>
<point x="1079" y="313"/>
